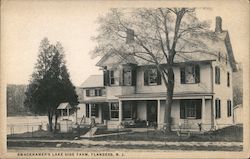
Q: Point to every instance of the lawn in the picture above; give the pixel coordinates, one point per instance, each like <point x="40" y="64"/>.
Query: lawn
<point x="42" y="134"/>
<point x="230" y="134"/>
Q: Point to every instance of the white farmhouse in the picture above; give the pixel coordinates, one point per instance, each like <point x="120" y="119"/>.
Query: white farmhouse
<point x="131" y="91"/>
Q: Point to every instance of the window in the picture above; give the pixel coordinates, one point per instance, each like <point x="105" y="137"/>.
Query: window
<point x="91" y="92"/>
<point x="229" y="108"/>
<point x="152" y="77"/>
<point x="217" y="75"/>
<point x="190" y="74"/>
<point x="228" y="79"/>
<point x="114" y="110"/>
<point x="98" y="92"/>
<point x="127" y="80"/>
<point x="87" y="92"/>
<point x="87" y="110"/>
<point x="94" y="110"/>
<point x="217" y="109"/>
<point x="190" y="109"/>
<point x="112" y="77"/>
<point x="127" y="110"/>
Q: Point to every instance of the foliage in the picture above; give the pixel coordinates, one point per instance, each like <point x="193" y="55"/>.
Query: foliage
<point x="15" y="98"/>
<point x="50" y="84"/>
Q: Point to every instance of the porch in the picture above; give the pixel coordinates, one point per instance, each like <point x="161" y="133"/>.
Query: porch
<point x="193" y="112"/>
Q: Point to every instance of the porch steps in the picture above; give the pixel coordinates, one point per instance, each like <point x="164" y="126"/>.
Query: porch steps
<point x="90" y="133"/>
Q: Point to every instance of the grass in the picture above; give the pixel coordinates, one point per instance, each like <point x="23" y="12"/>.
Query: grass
<point x="42" y="134"/>
<point x="230" y="134"/>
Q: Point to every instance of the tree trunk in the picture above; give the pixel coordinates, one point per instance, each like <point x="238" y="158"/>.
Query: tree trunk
<point x="169" y="99"/>
<point x="56" y="116"/>
<point x="50" y="117"/>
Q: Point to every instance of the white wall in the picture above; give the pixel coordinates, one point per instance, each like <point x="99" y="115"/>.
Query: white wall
<point x="224" y="93"/>
<point x="204" y="85"/>
<point x="175" y="114"/>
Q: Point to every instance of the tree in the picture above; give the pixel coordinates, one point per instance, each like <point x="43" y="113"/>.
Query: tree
<point x="154" y="36"/>
<point x="50" y="84"/>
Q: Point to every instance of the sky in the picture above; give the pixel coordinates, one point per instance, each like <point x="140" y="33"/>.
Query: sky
<point x="25" y="23"/>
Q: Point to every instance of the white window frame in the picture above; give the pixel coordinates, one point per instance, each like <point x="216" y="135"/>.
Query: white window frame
<point x="116" y="110"/>
<point x="149" y="76"/>
<point x="188" y="74"/>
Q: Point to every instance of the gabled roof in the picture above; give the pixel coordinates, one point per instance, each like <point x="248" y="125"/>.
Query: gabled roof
<point x="212" y="45"/>
<point x="64" y="106"/>
<point x="93" y="81"/>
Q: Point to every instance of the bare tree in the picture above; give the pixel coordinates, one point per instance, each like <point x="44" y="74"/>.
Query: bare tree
<point x="154" y="36"/>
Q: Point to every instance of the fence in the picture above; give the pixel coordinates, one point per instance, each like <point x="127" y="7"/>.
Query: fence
<point x="25" y="127"/>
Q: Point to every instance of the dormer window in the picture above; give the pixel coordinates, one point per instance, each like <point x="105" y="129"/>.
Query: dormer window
<point x="190" y="74"/>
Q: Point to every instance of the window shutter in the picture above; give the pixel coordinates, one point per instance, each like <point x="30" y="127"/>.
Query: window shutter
<point x="87" y="110"/>
<point x="198" y="109"/>
<point x="146" y="77"/>
<point x="182" y="110"/>
<point x="218" y="75"/>
<point x="97" y="110"/>
<point x="197" y="74"/>
<point x="219" y="113"/>
<point x="121" y="77"/>
<point x="87" y="93"/>
<point x="133" y="76"/>
<point x="182" y="69"/>
<point x="106" y="78"/>
<point x="158" y="77"/>
<point x="100" y="92"/>
<point x="130" y="36"/>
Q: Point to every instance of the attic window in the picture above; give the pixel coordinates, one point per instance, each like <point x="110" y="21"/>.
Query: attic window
<point x="219" y="57"/>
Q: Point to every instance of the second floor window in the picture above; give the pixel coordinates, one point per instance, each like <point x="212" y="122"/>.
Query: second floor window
<point x="190" y="74"/>
<point x="127" y="74"/>
<point x="152" y="77"/>
<point x="95" y="92"/>
<point x="217" y="75"/>
<point x="217" y="109"/>
<point x="228" y="79"/>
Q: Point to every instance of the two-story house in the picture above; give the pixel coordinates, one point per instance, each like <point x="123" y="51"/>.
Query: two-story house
<point x="131" y="89"/>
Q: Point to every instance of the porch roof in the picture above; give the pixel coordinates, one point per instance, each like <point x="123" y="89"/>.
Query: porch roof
<point x="162" y="95"/>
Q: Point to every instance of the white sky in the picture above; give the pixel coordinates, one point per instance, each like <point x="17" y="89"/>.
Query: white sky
<point x="25" y="23"/>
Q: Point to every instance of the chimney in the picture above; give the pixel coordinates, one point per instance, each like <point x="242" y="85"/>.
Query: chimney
<point x="130" y="36"/>
<point x="218" y="25"/>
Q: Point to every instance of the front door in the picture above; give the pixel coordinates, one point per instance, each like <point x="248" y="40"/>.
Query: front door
<point x="152" y="111"/>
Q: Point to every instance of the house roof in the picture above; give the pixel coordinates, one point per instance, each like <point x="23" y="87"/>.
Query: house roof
<point x="210" y="46"/>
<point x="93" y="81"/>
<point x="64" y="106"/>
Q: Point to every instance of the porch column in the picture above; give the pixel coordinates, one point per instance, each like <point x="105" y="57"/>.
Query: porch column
<point x="203" y="110"/>
<point x="158" y="112"/>
<point x="120" y="111"/>
<point x="90" y="105"/>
